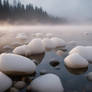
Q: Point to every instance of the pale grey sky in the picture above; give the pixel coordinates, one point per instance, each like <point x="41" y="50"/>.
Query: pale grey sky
<point x="65" y="8"/>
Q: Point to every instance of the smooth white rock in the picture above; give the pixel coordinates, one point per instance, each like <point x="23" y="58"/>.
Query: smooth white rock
<point x="36" y="46"/>
<point x="48" y="44"/>
<point x="75" y="61"/>
<point x="5" y="82"/>
<point x="20" y="50"/>
<point x="84" y="51"/>
<point x="58" y="42"/>
<point x="47" y="83"/>
<point x="16" y="63"/>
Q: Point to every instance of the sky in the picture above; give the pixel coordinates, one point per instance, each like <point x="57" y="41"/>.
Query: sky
<point x="73" y="9"/>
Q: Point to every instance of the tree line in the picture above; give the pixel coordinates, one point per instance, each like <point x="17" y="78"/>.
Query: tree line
<point x="22" y="13"/>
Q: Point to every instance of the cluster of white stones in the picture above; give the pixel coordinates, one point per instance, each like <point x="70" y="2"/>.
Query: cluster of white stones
<point x="79" y="57"/>
<point x="39" y="45"/>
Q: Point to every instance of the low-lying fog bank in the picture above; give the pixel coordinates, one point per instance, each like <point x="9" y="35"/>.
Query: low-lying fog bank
<point x="80" y="33"/>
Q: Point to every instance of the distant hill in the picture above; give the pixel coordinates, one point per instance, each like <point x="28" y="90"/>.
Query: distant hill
<point x="20" y="14"/>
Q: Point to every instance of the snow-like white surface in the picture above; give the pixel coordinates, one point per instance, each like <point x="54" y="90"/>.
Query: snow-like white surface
<point x="20" y="50"/>
<point x="48" y="44"/>
<point x="21" y="36"/>
<point x="75" y="61"/>
<point x="36" y="46"/>
<point x="47" y="83"/>
<point x="58" y="42"/>
<point x="16" y="63"/>
<point x="84" y="51"/>
<point x="5" y="82"/>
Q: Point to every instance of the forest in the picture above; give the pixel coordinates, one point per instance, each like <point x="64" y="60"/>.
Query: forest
<point x="20" y="13"/>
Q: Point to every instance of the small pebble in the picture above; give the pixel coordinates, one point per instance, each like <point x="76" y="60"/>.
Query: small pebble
<point x="59" y="52"/>
<point x="20" y="84"/>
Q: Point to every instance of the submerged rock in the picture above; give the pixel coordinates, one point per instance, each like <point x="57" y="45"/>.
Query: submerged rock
<point x="5" y="82"/>
<point x="75" y="61"/>
<point x="89" y="76"/>
<point x="59" y="52"/>
<point x="47" y="83"/>
<point x="20" y="84"/>
<point x="16" y="64"/>
<point x="43" y="71"/>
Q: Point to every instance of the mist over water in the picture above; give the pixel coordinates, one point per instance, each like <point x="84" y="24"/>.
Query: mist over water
<point x="66" y="32"/>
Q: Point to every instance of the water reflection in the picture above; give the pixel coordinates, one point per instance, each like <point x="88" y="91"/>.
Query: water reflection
<point x="76" y="71"/>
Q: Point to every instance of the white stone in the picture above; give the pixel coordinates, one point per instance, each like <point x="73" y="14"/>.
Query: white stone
<point x="84" y="51"/>
<point x="36" y="46"/>
<point x="47" y="83"/>
<point x="5" y="82"/>
<point x="20" y="50"/>
<point x="59" y="52"/>
<point x="48" y="44"/>
<point x="58" y="42"/>
<point x="75" y="61"/>
<point x="16" y="64"/>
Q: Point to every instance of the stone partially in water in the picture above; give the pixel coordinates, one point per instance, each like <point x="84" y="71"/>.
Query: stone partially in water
<point x="84" y="51"/>
<point x="47" y="83"/>
<point x="75" y="61"/>
<point x="5" y="82"/>
<point x="43" y="71"/>
<point x="60" y="52"/>
<point x="20" y="84"/>
<point x="89" y="76"/>
<point x="77" y="71"/>
<point x="16" y="64"/>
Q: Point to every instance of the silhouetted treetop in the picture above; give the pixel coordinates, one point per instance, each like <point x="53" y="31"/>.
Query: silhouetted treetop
<point x="20" y="13"/>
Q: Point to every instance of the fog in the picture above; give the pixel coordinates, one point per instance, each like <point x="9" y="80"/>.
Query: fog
<point x="67" y="32"/>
